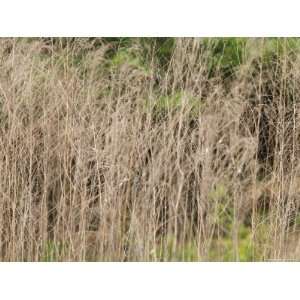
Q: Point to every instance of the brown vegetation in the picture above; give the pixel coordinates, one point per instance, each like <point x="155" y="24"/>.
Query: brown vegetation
<point x="118" y="162"/>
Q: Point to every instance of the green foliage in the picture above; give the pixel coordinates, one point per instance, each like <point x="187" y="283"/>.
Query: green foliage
<point x="225" y="55"/>
<point x="223" y="248"/>
<point x="143" y="50"/>
<point x="169" y="104"/>
<point x="224" y="214"/>
<point x="187" y="251"/>
<point x="162" y="48"/>
<point x="219" y="192"/>
<point x="297" y="220"/>
<point x="274" y="49"/>
<point x="53" y="251"/>
<point x="125" y="57"/>
<point x="118" y="42"/>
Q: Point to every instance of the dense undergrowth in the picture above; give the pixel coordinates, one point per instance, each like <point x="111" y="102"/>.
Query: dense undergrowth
<point x="149" y="149"/>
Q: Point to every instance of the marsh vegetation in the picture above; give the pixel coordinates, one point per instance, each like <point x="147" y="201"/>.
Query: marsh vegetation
<point x="149" y="149"/>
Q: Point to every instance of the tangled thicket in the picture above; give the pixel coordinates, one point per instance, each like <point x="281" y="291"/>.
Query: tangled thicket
<point x="151" y="149"/>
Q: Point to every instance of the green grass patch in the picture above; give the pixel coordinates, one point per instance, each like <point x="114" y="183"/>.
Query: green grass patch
<point x="53" y="251"/>
<point x="172" y="251"/>
<point x="169" y="104"/>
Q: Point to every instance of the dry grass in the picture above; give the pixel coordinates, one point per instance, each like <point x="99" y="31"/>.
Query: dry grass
<point x="92" y="168"/>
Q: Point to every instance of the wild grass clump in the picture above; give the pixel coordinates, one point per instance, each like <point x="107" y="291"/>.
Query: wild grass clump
<point x="158" y="149"/>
